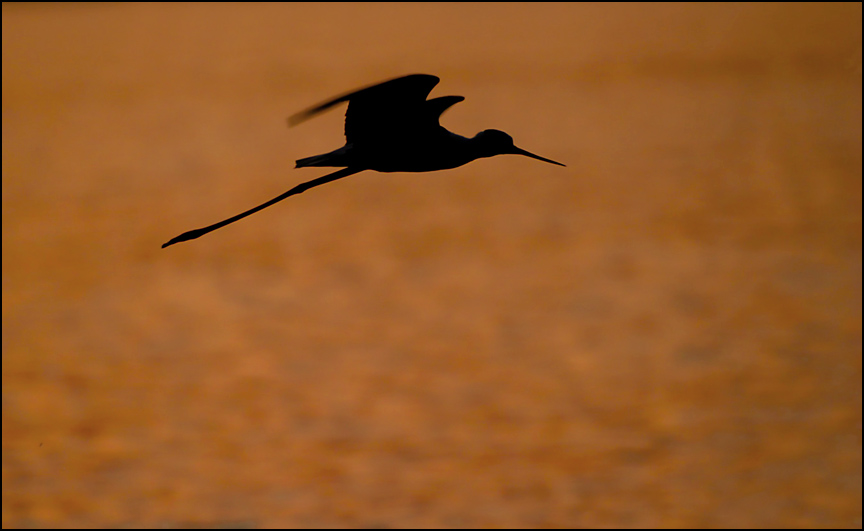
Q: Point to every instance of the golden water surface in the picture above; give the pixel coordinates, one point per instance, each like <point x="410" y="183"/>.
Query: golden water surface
<point x="667" y="332"/>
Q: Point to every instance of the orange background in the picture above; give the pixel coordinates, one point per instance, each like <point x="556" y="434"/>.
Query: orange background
<point x="667" y="332"/>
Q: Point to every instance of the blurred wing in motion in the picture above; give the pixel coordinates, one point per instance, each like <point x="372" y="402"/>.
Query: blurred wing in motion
<point x="388" y="111"/>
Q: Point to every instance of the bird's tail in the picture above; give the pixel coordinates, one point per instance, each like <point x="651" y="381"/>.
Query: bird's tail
<point x="317" y="160"/>
<point x="334" y="159"/>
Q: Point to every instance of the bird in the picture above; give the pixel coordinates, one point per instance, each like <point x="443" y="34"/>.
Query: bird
<point x="389" y="127"/>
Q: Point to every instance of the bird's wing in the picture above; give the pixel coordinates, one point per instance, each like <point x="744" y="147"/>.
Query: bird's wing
<point x="384" y="111"/>
<point x="436" y="106"/>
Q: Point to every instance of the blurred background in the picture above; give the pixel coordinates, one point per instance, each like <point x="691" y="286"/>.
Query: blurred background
<point x="667" y="332"/>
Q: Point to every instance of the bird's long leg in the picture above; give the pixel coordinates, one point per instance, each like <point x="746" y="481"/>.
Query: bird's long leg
<point x="300" y="188"/>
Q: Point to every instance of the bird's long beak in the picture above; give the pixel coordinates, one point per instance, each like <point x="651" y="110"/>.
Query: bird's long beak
<point x="519" y="151"/>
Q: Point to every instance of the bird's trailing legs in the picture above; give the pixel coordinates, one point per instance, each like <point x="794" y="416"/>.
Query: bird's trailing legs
<point x="300" y="188"/>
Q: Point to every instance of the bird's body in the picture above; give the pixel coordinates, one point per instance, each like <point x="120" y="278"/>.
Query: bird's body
<point x="442" y="151"/>
<point x="390" y="127"/>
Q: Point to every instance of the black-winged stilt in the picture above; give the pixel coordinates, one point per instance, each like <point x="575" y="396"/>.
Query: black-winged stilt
<point x="390" y="127"/>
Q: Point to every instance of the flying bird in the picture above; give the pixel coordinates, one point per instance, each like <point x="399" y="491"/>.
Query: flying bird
<point x="389" y="127"/>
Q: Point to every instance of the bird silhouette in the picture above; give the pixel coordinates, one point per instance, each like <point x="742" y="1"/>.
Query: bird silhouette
<point x="389" y="127"/>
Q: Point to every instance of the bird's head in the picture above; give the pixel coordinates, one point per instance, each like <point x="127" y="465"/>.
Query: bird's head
<point x="492" y="142"/>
